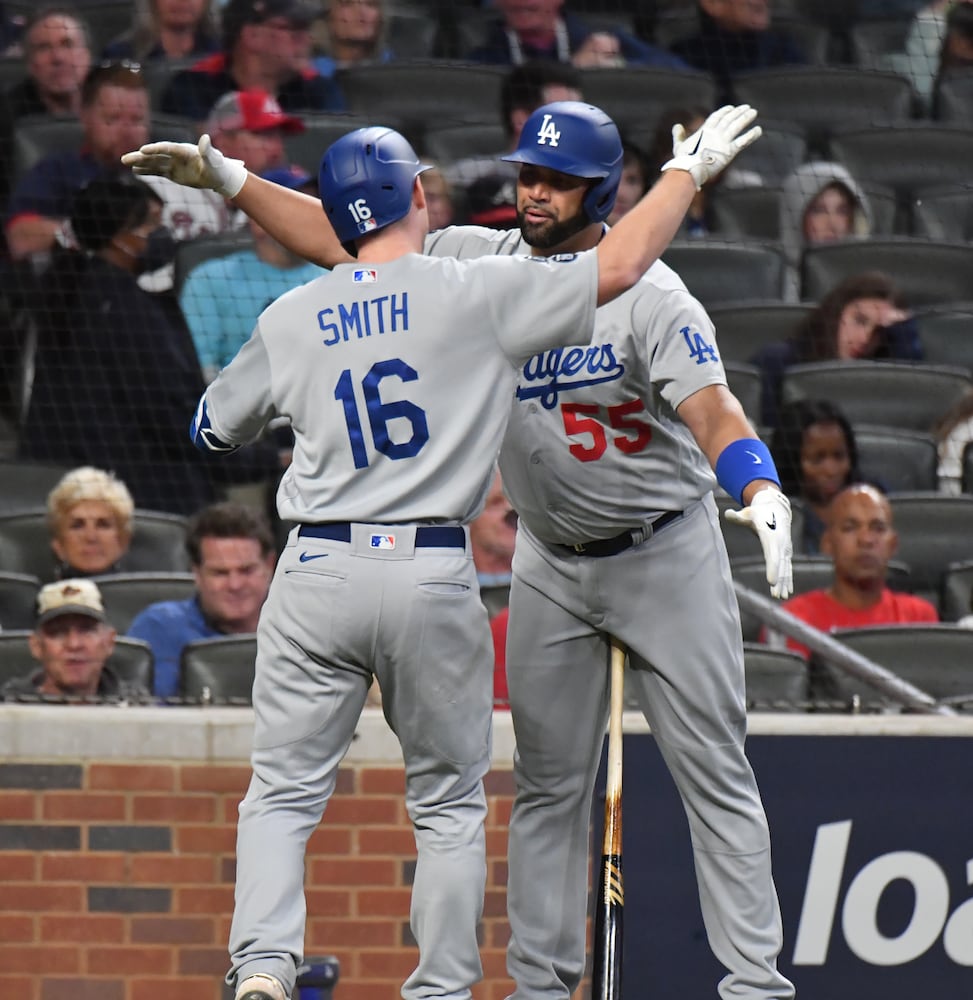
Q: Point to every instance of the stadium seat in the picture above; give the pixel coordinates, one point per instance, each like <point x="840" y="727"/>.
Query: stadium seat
<point x="414" y="33"/>
<point x="219" y="670"/>
<point x="820" y="98"/>
<point x="192" y="253"/>
<point x="157" y="543"/>
<point x="776" y="679"/>
<point x="158" y="72"/>
<point x="131" y="659"/>
<point x="944" y="213"/>
<point x="947" y="334"/>
<point x="745" y="383"/>
<point x="935" y="658"/>
<point x="636" y="96"/>
<point x="306" y="148"/>
<point x="955" y="100"/>
<point x="900" y="460"/>
<point x="126" y="594"/>
<point x="883" y="393"/>
<point x="454" y="142"/>
<point x="781" y="149"/>
<point x="873" y="42"/>
<point x="26" y="484"/>
<point x="956" y="594"/>
<point x="18" y="600"/>
<point x="966" y="479"/>
<point x="12" y="70"/>
<point x="743" y="329"/>
<point x="37" y="136"/>
<point x="934" y="531"/>
<point x="106" y="19"/>
<point x="721" y="272"/>
<point x="741" y="542"/>
<point x="926" y="272"/>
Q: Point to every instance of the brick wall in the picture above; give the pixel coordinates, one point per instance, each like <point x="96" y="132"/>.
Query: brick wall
<point x="116" y="879"/>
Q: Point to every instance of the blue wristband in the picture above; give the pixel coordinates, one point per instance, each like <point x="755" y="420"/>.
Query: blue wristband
<point x="741" y="462"/>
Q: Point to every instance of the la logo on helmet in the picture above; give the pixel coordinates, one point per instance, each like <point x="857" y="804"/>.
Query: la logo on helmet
<point x="548" y="132"/>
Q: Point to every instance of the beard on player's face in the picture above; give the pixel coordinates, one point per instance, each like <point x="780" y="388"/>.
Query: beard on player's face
<point x="553" y="232"/>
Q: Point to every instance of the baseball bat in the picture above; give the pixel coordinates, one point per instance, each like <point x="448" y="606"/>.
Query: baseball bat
<point x="606" y="979"/>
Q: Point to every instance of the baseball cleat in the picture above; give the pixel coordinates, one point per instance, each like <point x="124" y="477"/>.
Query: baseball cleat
<point x="260" y="987"/>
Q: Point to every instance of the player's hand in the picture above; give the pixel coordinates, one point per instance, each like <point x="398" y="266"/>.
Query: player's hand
<point x="769" y="515"/>
<point x="710" y="148"/>
<point x="199" y="166"/>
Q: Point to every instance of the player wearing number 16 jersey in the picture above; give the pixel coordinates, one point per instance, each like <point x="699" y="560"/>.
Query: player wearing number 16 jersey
<point x="396" y="373"/>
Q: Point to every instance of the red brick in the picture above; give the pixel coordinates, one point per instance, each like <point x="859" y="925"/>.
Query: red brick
<point x="133" y="960"/>
<point x="351" y="871"/>
<point x="17" y="805"/>
<point x="83" y="867"/>
<point x="82" y="805"/>
<point x="325" y="935"/>
<point x="16" y="929"/>
<point x="382" y="781"/>
<point x="16" y="867"/>
<point x="87" y="927"/>
<point x="329" y="839"/>
<point x="155" y="988"/>
<point x="209" y="899"/>
<point x="498" y="812"/>
<point x="358" y="990"/>
<point x="495" y="903"/>
<point x="82" y="989"/>
<point x="205" y="839"/>
<point x="496" y="843"/>
<point x="395" y="840"/>
<point x="202" y="962"/>
<point x="132" y="777"/>
<point x="170" y="869"/>
<point x="172" y="930"/>
<point x="174" y="808"/>
<point x="229" y="809"/>
<point x="46" y="898"/>
<point x="499" y="936"/>
<point x="62" y="960"/>
<point x="387" y="963"/>
<point x="325" y="903"/>
<point x="384" y="902"/>
<point x="362" y="812"/>
<point x="193" y="778"/>
<point x="22" y="987"/>
<point x="499" y="782"/>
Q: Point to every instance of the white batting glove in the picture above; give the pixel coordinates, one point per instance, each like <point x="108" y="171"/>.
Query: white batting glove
<point x="711" y="147"/>
<point x="197" y="166"/>
<point x="769" y="515"/>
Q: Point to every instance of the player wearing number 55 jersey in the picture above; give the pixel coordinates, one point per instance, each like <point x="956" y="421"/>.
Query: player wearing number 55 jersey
<point x="396" y="373"/>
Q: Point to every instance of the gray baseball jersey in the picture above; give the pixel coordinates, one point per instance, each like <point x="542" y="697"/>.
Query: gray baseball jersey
<point x="377" y="365"/>
<point x="593" y="448"/>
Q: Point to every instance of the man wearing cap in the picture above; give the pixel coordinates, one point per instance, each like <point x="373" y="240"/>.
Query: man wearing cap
<point x="250" y="125"/>
<point x="72" y="642"/>
<point x="265" y="46"/>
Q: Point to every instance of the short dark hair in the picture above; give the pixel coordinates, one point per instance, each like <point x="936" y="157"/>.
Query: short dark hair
<point x="111" y="74"/>
<point x="523" y="86"/>
<point x="107" y="206"/>
<point x="44" y="11"/>
<point x="227" y="519"/>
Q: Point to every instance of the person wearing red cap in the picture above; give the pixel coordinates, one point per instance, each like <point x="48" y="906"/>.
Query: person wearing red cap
<point x="265" y="46"/>
<point x="252" y="125"/>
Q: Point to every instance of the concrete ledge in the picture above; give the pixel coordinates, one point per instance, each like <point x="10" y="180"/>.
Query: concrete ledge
<point x="222" y="735"/>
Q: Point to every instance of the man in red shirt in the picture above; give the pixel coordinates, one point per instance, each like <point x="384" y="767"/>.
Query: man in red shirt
<point x="861" y="539"/>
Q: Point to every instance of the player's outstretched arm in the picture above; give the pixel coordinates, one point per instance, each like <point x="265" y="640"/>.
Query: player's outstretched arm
<point x="642" y="234"/>
<point x="294" y="219"/>
<point x="745" y="469"/>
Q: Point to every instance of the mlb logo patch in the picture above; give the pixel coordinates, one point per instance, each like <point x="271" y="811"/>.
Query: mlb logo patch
<point x="365" y="275"/>
<point x="383" y="541"/>
<point x="367" y="226"/>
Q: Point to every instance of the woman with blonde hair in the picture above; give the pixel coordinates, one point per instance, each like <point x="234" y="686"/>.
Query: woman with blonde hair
<point x="167" y="29"/>
<point x="351" y="31"/>
<point x="89" y="515"/>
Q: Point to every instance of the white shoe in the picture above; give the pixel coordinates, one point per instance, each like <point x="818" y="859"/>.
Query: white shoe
<point x="260" y="987"/>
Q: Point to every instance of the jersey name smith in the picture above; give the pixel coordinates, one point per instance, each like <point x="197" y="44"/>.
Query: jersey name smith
<point x="356" y="320"/>
<point x="552" y="372"/>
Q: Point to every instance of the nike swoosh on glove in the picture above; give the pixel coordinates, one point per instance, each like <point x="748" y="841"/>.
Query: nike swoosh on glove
<point x="769" y="515"/>
<point x="199" y="165"/>
<point x="713" y="145"/>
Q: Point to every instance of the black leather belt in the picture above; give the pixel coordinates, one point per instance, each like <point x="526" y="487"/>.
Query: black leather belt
<point x="428" y="536"/>
<point x="626" y="540"/>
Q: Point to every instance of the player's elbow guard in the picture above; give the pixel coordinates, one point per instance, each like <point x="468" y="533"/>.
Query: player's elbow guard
<point x="202" y="435"/>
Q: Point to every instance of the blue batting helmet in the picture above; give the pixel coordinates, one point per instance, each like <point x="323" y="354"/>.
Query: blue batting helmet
<point x="366" y="180"/>
<point x="577" y="139"/>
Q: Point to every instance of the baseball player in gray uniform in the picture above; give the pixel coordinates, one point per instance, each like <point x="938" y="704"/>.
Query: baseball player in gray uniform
<point x="396" y="373"/>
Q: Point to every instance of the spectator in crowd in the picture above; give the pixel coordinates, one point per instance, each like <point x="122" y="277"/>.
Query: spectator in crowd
<point x="953" y="433"/>
<point x="440" y="205"/>
<point x="11" y="33"/>
<point x="114" y="116"/>
<point x="232" y="552"/>
<point x="820" y="202"/>
<point x="249" y="125"/>
<point x="167" y="29"/>
<point x="816" y="455"/>
<point x="864" y="317"/>
<point x="636" y="180"/>
<point x="525" y="87"/>
<point x="264" y="47"/>
<point x="89" y="516"/>
<point x="956" y="54"/>
<point x="492" y="537"/>
<point x="351" y="31"/>
<point x="72" y="642"/>
<point x="919" y="61"/>
<point x="860" y="538"/>
<point x="735" y="36"/>
<point x="540" y="29"/>
<point x="221" y="298"/>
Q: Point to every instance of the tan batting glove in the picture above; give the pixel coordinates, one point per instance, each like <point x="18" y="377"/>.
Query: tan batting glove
<point x="769" y="515"/>
<point x="710" y="148"/>
<point x="197" y="166"/>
